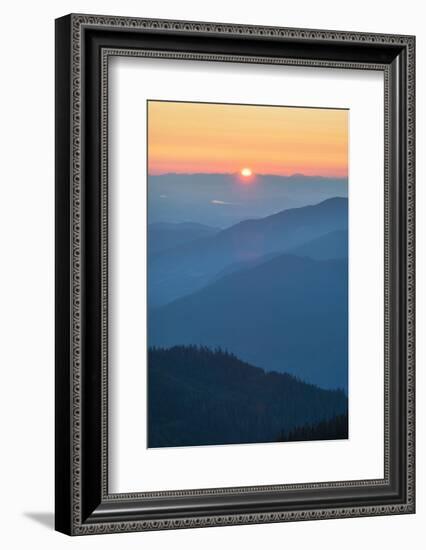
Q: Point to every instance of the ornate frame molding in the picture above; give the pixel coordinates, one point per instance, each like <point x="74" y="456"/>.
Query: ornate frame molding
<point x="72" y="45"/>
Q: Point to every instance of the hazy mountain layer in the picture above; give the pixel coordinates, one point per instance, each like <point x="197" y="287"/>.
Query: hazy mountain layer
<point x="288" y="314"/>
<point x="331" y="246"/>
<point x="184" y="269"/>
<point x="167" y="236"/>
<point x="221" y="200"/>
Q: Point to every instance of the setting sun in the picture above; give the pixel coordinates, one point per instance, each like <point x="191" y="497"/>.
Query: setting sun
<point x="246" y="172"/>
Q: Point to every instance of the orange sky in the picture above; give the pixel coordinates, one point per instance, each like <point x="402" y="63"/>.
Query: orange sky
<point x="220" y="138"/>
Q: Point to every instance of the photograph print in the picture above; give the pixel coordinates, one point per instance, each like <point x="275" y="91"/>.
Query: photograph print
<point x="247" y="258"/>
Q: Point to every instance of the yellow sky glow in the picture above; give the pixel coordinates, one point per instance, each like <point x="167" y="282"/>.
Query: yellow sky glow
<point x="224" y="138"/>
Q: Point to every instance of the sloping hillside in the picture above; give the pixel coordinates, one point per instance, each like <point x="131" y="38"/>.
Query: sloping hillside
<point x="288" y="314"/>
<point x="202" y="397"/>
<point x="187" y="268"/>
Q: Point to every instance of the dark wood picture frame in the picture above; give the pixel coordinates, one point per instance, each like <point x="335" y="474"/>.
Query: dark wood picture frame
<point x="83" y="46"/>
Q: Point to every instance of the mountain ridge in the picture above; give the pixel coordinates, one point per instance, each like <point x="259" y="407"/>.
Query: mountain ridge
<point x="192" y="265"/>
<point x="201" y="396"/>
<point x="224" y="199"/>
<point x="163" y="236"/>
<point x="290" y="297"/>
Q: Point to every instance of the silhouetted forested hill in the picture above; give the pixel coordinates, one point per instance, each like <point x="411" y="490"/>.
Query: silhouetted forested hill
<point x="202" y="397"/>
<point x="333" y="428"/>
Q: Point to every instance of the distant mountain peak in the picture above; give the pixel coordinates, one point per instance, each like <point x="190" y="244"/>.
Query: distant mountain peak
<point x="335" y="203"/>
<point x="189" y="196"/>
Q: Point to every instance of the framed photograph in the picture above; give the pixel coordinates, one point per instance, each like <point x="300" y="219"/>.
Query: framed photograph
<point x="234" y="274"/>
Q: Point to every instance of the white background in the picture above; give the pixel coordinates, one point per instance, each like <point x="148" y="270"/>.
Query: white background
<point x="26" y="300"/>
<point x="132" y="81"/>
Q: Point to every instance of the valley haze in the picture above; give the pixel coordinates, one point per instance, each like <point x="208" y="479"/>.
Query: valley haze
<point x="221" y="200"/>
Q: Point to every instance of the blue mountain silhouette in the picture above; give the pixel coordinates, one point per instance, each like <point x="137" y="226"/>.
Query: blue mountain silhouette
<point x="167" y="236"/>
<point x="287" y="314"/>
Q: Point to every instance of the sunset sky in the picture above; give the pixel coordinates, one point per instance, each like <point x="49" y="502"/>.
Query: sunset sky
<point x="226" y="139"/>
